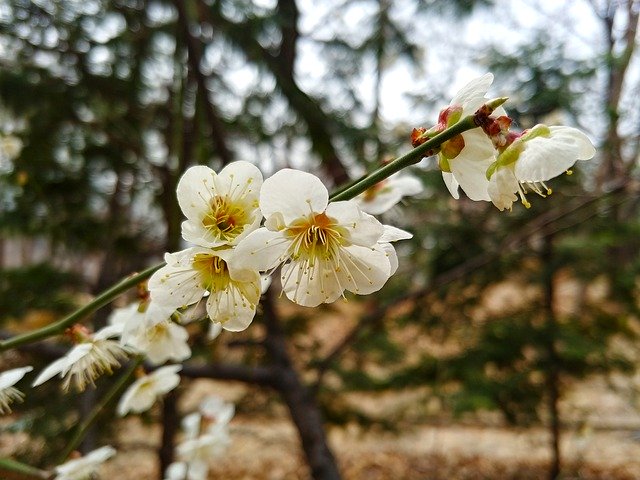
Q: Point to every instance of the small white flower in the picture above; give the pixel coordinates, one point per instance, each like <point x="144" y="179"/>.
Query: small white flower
<point x="216" y="411"/>
<point x="85" y="467"/>
<point x="233" y="293"/>
<point x="149" y="329"/>
<point x="142" y="393"/>
<point x="324" y="248"/>
<point x="85" y="362"/>
<point x="222" y="208"/>
<point x="199" y="451"/>
<point x="538" y="155"/>
<point x="468" y="168"/>
<point x="8" y="393"/>
<point x="387" y="193"/>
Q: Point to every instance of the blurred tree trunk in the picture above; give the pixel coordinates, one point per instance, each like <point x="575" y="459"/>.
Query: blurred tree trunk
<point x="553" y="362"/>
<point x="299" y="399"/>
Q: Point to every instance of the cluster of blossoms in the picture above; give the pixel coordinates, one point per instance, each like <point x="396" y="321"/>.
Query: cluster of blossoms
<point x="494" y="163"/>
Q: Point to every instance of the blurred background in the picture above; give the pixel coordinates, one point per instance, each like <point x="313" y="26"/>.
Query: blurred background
<point x="505" y="346"/>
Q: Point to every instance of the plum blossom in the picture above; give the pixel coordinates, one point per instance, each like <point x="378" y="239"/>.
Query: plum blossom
<point x="84" y="468"/>
<point x="534" y="157"/>
<point x="149" y="328"/>
<point x="387" y="193"/>
<point x="206" y="436"/>
<point x="189" y="275"/>
<point x="8" y="393"/>
<point x="324" y="248"/>
<point x="98" y="353"/>
<point x="221" y="208"/>
<point x="464" y="163"/>
<point x="142" y="393"/>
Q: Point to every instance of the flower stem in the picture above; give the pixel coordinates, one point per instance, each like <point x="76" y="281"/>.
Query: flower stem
<point x="21" y="470"/>
<point x="60" y="326"/>
<point x="115" y="390"/>
<point x="410" y="158"/>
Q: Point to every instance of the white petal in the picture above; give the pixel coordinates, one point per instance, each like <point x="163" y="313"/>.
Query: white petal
<point x="177" y="284"/>
<point x="452" y="184"/>
<point x="393" y="234"/>
<point x="261" y="250"/>
<point x="215" y="329"/>
<point x="470" y="167"/>
<point x="503" y="187"/>
<point x="363" y="229"/>
<point x="109" y="331"/>
<point x="294" y="194"/>
<point x="231" y="307"/>
<point x="363" y="270"/>
<point x="547" y="157"/>
<point x="13" y="376"/>
<point x="311" y="287"/>
<point x="195" y="189"/>
<point x="472" y="95"/>
<point x="239" y="180"/>
<point x="388" y="249"/>
<point x="63" y="364"/>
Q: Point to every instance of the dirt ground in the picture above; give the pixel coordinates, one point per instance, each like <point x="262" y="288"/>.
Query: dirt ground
<point x="264" y="446"/>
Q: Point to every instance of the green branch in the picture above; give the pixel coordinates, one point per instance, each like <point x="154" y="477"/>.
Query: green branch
<point x="410" y="158"/>
<point x="77" y="316"/>
<point x="14" y="469"/>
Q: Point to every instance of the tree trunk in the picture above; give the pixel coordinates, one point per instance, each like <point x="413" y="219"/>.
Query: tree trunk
<point x="553" y="377"/>
<point x="301" y="403"/>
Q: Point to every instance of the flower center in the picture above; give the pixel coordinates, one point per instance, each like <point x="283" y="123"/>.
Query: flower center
<point x="225" y="219"/>
<point x="214" y="274"/>
<point x="316" y="236"/>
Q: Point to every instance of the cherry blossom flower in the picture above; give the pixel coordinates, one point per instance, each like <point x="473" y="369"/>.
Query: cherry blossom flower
<point x="387" y="193"/>
<point x="142" y="393"/>
<point x="324" y="248"/>
<point x="8" y="393"/>
<point x="233" y="293"/>
<point x="465" y="164"/>
<point x="85" y="467"/>
<point x="149" y="329"/>
<point x="221" y="208"/>
<point x="96" y="355"/>
<point x="534" y="157"/>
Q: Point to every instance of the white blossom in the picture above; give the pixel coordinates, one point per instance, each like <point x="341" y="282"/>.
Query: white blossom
<point x="143" y="393"/>
<point x="96" y="355"/>
<point x="468" y="168"/>
<point x="85" y="467"/>
<point x="221" y="208"/>
<point x="189" y="275"/>
<point x="533" y="158"/>
<point x="8" y="393"/>
<point x="324" y="248"/>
